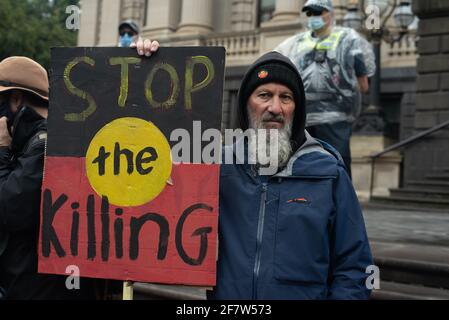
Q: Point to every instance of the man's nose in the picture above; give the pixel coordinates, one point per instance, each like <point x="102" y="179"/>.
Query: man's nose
<point x="275" y="106"/>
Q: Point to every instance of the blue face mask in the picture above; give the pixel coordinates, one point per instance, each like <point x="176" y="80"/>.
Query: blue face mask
<point x="125" y="40"/>
<point x="316" y="23"/>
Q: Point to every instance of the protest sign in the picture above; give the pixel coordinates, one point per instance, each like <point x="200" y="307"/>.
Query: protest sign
<point x="113" y="202"/>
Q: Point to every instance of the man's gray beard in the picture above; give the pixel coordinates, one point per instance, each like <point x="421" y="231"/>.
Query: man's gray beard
<point x="258" y="150"/>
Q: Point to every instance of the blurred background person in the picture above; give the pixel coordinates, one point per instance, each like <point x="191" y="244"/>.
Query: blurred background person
<point x="128" y="33"/>
<point x="335" y="63"/>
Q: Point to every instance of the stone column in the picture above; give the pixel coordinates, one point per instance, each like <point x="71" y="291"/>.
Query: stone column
<point x="110" y="16"/>
<point x="287" y="10"/>
<point x="87" y="35"/>
<point x="431" y="155"/>
<point x="132" y="9"/>
<point x="196" y="17"/>
<point x="242" y="15"/>
<point x="162" y="17"/>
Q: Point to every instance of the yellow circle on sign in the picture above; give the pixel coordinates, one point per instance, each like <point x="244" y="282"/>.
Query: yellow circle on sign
<point x="129" y="162"/>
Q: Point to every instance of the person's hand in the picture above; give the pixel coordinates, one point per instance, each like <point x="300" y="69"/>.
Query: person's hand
<point x="5" y="138"/>
<point x="145" y="47"/>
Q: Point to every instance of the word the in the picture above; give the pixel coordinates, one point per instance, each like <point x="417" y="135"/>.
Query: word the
<point x="145" y="156"/>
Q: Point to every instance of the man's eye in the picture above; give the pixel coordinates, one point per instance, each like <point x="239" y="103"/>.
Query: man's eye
<point x="263" y="95"/>
<point x="287" y="98"/>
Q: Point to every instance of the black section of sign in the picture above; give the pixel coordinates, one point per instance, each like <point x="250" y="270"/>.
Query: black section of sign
<point x="91" y="87"/>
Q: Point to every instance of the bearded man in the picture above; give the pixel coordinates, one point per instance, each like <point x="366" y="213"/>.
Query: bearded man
<point x="299" y="232"/>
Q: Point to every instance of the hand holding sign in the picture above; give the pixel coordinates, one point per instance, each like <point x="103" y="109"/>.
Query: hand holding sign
<point x="145" y="46"/>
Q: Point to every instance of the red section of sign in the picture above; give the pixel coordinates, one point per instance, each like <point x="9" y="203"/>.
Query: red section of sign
<point x="195" y="186"/>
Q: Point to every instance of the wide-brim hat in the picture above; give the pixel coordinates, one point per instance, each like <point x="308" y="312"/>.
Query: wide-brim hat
<point x="25" y="74"/>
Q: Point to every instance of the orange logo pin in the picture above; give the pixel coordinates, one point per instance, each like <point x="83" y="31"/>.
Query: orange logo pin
<point x="263" y="74"/>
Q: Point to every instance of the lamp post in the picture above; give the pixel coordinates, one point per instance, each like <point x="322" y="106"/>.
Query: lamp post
<point x="370" y="120"/>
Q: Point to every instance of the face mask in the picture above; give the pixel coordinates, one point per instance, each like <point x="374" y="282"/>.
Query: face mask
<point x="125" y="40"/>
<point x="316" y="23"/>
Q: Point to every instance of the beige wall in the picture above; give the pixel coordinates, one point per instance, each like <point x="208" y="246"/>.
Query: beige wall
<point x="110" y="18"/>
<point x="87" y="35"/>
<point x="230" y="23"/>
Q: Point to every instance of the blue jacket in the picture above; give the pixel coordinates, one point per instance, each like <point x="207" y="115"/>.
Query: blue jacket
<point x="299" y="234"/>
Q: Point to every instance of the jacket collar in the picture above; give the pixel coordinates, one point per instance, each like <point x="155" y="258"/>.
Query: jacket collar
<point x="313" y="159"/>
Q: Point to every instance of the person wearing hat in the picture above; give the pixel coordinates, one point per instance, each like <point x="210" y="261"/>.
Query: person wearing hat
<point x="23" y="112"/>
<point x="335" y="63"/>
<point x="128" y="33"/>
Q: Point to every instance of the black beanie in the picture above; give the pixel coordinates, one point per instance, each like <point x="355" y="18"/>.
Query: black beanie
<point x="272" y="72"/>
<point x="275" y="67"/>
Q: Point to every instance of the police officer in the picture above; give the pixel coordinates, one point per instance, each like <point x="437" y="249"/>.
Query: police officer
<point x="335" y="63"/>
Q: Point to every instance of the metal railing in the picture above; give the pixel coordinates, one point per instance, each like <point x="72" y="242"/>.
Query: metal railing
<point x="399" y="145"/>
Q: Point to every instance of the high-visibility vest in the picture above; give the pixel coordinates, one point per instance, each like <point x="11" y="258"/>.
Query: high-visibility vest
<point x="328" y="44"/>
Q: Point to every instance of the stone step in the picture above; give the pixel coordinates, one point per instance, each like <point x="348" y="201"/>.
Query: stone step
<point x="420" y="193"/>
<point x="399" y="291"/>
<point x="438" y="176"/>
<point x="422" y="273"/>
<point x="429" y="184"/>
<point x="411" y="202"/>
<point x="392" y="205"/>
<point x="420" y="265"/>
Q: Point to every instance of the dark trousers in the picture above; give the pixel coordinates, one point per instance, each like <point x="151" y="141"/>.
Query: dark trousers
<point x="337" y="135"/>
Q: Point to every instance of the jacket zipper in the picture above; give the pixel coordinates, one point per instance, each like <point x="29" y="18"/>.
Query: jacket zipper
<point x="260" y="225"/>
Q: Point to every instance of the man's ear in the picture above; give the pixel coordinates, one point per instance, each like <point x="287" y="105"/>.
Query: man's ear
<point x="16" y="100"/>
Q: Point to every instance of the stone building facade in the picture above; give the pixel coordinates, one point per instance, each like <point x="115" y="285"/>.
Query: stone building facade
<point x="247" y="29"/>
